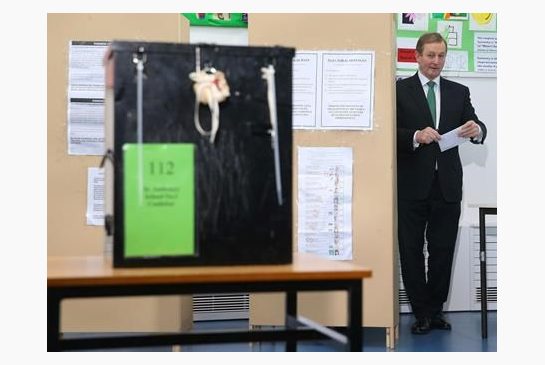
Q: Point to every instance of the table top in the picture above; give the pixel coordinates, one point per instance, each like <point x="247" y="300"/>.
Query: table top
<point x="99" y="270"/>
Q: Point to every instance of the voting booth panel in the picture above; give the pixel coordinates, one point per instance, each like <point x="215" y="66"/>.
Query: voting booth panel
<point x="201" y="150"/>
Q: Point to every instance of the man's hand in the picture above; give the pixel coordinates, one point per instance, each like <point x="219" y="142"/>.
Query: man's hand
<point x="470" y="129"/>
<point x="427" y="136"/>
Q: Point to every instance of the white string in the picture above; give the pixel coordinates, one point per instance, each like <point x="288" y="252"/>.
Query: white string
<point x="197" y="59"/>
<point x="207" y="92"/>
<point x="210" y="89"/>
<point x="140" y="126"/>
<point x="268" y="75"/>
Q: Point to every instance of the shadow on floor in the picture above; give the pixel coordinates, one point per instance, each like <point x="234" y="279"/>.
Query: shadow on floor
<point x="465" y="336"/>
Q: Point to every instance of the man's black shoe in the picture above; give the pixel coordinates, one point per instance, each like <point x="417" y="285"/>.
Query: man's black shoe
<point x="421" y="326"/>
<point x="439" y="322"/>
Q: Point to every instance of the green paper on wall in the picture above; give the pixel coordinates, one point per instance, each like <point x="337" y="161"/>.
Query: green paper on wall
<point x="159" y="187"/>
<point x="229" y="20"/>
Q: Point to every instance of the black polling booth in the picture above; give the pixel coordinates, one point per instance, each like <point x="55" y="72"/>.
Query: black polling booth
<point x="201" y="154"/>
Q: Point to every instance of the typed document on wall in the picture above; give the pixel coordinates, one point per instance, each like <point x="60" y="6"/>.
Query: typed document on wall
<point x="86" y="98"/>
<point x="333" y="90"/>
<point x="325" y="201"/>
<point x="95" y="196"/>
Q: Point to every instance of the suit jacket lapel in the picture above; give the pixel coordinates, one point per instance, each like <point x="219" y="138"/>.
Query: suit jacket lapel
<point x="446" y="95"/>
<point x="420" y="99"/>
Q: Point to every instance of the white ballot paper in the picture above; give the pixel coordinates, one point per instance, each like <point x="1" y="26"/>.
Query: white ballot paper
<point x="451" y="139"/>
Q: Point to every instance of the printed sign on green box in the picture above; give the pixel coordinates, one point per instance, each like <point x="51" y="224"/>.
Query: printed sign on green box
<point x="159" y="187"/>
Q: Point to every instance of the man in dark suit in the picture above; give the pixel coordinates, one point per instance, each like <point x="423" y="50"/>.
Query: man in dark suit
<point x="429" y="181"/>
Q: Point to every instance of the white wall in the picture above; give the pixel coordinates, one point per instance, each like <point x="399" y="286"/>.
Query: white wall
<point x="479" y="161"/>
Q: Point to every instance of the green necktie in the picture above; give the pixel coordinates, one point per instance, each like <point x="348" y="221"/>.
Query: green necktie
<point x="431" y="101"/>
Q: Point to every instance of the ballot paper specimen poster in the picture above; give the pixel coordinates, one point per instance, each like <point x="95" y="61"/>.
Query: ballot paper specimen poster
<point x="325" y="201"/>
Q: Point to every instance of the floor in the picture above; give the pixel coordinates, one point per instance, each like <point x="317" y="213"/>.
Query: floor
<point x="464" y="337"/>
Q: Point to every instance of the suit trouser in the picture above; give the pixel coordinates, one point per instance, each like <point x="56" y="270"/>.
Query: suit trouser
<point x="437" y="220"/>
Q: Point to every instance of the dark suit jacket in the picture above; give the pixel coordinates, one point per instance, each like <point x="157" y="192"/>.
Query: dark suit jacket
<point x="416" y="167"/>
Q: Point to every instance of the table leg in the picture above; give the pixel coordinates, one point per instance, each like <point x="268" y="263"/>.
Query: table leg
<point x="355" y="333"/>
<point x="482" y="259"/>
<point x="291" y="310"/>
<point x="53" y="322"/>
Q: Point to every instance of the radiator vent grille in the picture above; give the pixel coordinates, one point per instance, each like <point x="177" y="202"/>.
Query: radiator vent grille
<point x="220" y="306"/>
<point x="491" y="295"/>
<point x="491" y="267"/>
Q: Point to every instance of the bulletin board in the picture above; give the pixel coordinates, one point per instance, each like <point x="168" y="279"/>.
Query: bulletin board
<point x="471" y="39"/>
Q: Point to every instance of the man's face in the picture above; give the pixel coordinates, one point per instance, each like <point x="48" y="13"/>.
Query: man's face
<point x="432" y="59"/>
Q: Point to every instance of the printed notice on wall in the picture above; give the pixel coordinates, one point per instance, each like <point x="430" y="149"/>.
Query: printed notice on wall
<point x="333" y="90"/>
<point x="325" y="201"/>
<point x="305" y="86"/>
<point x="86" y="98"/>
<point x="95" y="196"/>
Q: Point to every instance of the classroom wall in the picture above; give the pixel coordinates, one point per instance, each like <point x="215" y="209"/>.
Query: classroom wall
<point x="480" y="161"/>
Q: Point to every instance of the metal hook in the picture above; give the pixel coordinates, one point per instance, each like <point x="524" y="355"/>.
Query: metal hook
<point x="109" y="155"/>
<point x="139" y="56"/>
<point x="209" y="69"/>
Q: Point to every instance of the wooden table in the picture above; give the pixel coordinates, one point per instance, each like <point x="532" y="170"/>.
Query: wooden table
<point x="94" y="276"/>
